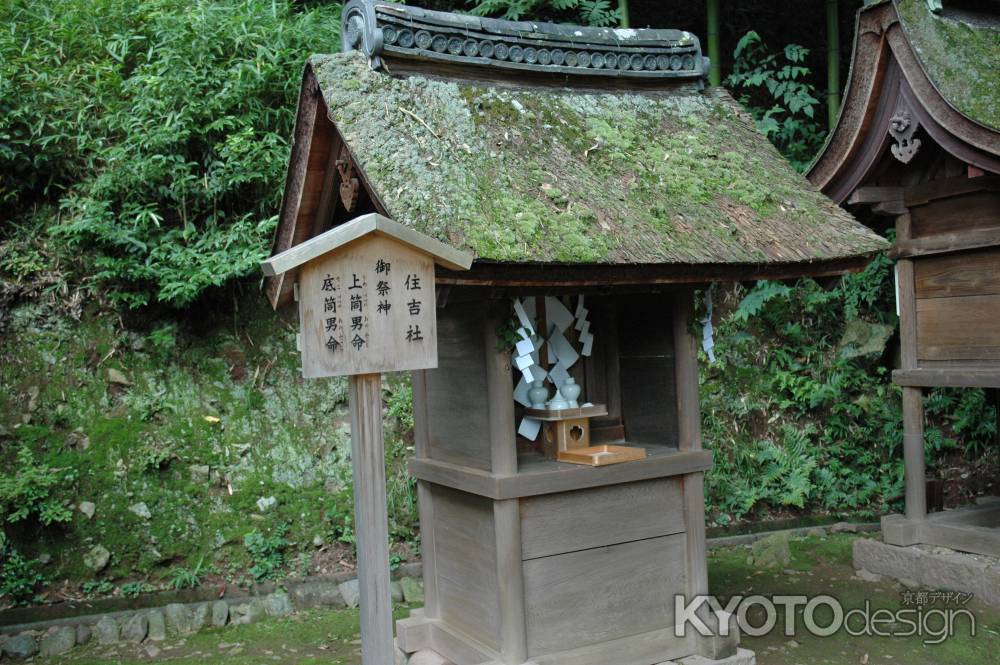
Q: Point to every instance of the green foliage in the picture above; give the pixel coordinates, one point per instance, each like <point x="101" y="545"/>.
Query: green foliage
<point x="585" y="12"/>
<point x="160" y="127"/>
<point x="20" y="260"/>
<point x="755" y="301"/>
<point x="795" y="424"/>
<point x="97" y="588"/>
<point x="136" y="589"/>
<point x="401" y="488"/>
<point x="399" y="407"/>
<point x="187" y="578"/>
<point x="164" y="338"/>
<point x="774" y="87"/>
<point x="266" y="553"/>
<point x="19" y="580"/>
<point x="31" y="488"/>
<point x="507" y="336"/>
<point x="964" y="414"/>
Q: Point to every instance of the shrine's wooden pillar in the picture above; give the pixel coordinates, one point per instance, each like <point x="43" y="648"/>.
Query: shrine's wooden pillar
<point x="913" y="405"/>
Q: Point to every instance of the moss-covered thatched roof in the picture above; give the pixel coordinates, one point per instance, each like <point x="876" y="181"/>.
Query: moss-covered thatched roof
<point x="960" y="52"/>
<point x="571" y="176"/>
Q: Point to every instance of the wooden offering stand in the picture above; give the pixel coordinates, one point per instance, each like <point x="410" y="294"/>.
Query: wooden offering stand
<point x="566" y="437"/>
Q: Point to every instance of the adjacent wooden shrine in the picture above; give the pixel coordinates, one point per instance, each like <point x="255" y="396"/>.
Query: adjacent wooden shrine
<point x="597" y="181"/>
<point x="917" y="146"/>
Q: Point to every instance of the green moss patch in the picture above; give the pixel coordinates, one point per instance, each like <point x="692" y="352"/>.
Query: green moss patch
<point x="176" y="433"/>
<point x="525" y="175"/>
<point x="961" y="57"/>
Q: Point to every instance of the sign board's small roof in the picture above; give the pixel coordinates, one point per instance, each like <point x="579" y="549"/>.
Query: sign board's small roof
<point x="372" y="223"/>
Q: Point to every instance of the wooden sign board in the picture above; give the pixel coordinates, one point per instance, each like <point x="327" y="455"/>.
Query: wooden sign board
<point x="367" y="307"/>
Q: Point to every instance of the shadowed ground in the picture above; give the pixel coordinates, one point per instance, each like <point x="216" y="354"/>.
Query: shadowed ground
<point x="820" y="565"/>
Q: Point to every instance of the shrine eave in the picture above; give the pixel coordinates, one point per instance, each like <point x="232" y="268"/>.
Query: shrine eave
<point x="911" y="70"/>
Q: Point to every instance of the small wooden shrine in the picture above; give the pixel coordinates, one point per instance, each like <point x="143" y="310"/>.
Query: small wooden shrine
<point x="597" y="182"/>
<point x="917" y="146"/>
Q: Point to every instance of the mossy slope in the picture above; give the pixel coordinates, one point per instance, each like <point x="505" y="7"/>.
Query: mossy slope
<point x="198" y="421"/>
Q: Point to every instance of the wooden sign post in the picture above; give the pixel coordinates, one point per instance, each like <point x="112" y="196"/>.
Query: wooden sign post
<point x="366" y="306"/>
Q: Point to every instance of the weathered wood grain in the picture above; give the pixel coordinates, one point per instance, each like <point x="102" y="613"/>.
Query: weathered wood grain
<point x="571" y="521"/>
<point x="352" y="324"/>
<point x="327" y="203"/>
<point x="906" y="303"/>
<point x="510" y="577"/>
<point x="686" y="373"/>
<point x="649" y="647"/>
<point x="875" y="195"/>
<point x="498" y="399"/>
<point x="309" y="145"/>
<point x="945" y="243"/>
<point x="959" y="328"/>
<point x="948" y="378"/>
<point x="428" y="551"/>
<point x="696" y="553"/>
<point x="602" y="455"/>
<point x="602" y="594"/>
<point x="467" y="564"/>
<point x="458" y="416"/>
<point x="421" y="423"/>
<point x="457" y="647"/>
<point x="543" y="476"/>
<point x="961" y="537"/>
<point x="364" y="225"/>
<point x="950" y="187"/>
<point x="371" y="525"/>
<point x="966" y="274"/>
<point x="973" y="529"/>
<point x="913" y="454"/>
<point x="958" y="214"/>
<point x="413" y="633"/>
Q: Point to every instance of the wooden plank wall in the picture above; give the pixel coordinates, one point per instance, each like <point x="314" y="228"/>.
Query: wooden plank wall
<point x="457" y="414"/>
<point x="602" y="380"/>
<point x="968" y="212"/>
<point x="619" y="590"/>
<point x="647" y="371"/>
<point x="957" y="289"/>
<point x="585" y="519"/>
<point x="466" y="564"/>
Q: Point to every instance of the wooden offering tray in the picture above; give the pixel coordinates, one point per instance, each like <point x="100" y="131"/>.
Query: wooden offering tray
<point x="549" y="415"/>
<point x="566" y="437"/>
<point x="601" y="455"/>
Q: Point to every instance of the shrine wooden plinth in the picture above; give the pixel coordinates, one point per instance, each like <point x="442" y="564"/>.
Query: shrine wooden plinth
<point x="529" y="559"/>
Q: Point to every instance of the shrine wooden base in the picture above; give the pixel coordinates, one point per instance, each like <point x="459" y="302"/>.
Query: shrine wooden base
<point x="419" y="632"/>
<point x="530" y="560"/>
<point x="580" y="563"/>
<point x="975" y="529"/>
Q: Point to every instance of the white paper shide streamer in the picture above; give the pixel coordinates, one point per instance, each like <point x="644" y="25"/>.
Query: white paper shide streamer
<point x="561" y="353"/>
